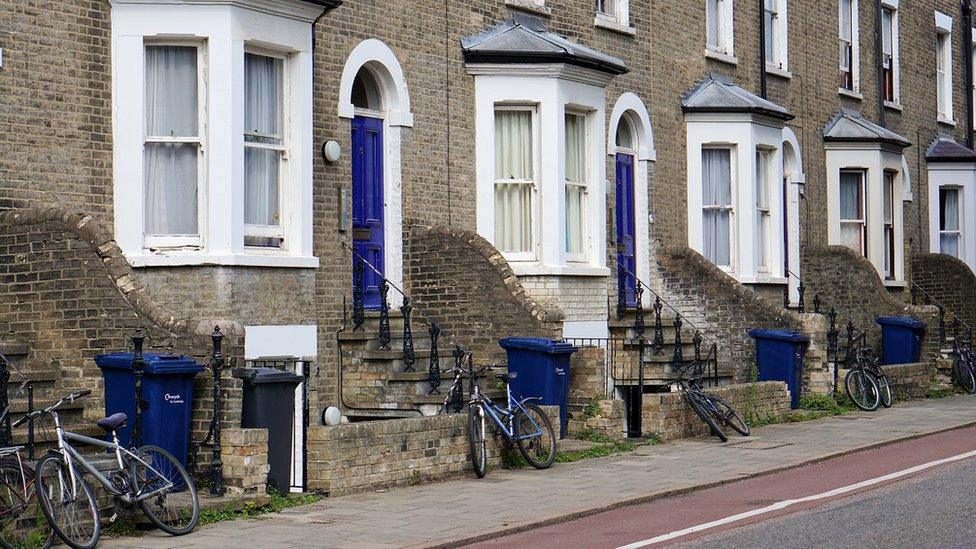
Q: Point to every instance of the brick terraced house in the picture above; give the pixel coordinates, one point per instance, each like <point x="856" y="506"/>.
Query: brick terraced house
<point x="365" y="188"/>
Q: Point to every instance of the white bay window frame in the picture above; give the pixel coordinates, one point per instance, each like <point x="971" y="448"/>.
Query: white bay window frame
<point x="552" y="88"/>
<point x="228" y="30"/>
<point x="763" y="210"/>
<point x="962" y="177"/>
<point x="505" y="186"/>
<point x="575" y="194"/>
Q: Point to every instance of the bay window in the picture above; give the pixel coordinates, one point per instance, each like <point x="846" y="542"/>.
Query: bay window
<point x="763" y="210"/>
<point x="514" y="180"/>
<point x="888" y="195"/>
<point x="173" y="145"/>
<point x="264" y="149"/>
<point x="853" y="227"/>
<point x="717" y="209"/>
<point x="575" y="183"/>
<point x="950" y="228"/>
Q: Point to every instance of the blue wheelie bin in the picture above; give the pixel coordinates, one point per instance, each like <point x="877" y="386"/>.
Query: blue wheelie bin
<point x="542" y="368"/>
<point x="779" y="355"/>
<point x="901" y="339"/>
<point x="167" y="388"/>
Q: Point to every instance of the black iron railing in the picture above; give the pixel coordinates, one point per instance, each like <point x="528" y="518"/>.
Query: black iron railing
<point x="801" y="290"/>
<point x="408" y="310"/>
<point x="927" y="298"/>
<point x="216" y="472"/>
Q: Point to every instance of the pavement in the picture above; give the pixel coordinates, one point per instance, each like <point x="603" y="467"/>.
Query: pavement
<point x="468" y="510"/>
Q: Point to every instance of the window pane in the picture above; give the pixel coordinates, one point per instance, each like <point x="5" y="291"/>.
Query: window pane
<point x="846" y="31"/>
<point x="950" y="244"/>
<point x="886" y="31"/>
<point x="889" y="193"/>
<point x="716" y="177"/>
<point x="261" y="204"/>
<point x="171" y="188"/>
<point x="851" y="235"/>
<point x="762" y="179"/>
<point x="513" y="217"/>
<point x="949" y="209"/>
<point x="850" y="196"/>
<point x="575" y="198"/>
<point x="575" y="148"/>
<point x="513" y="145"/>
<point x="715" y="236"/>
<point x="712" y="22"/>
<point x="262" y="98"/>
<point x="171" y="91"/>
<point x="625" y="135"/>
<point x="769" y="36"/>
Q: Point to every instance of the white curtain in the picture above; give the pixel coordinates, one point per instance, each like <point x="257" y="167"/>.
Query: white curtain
<point x="262" y="122"/>
<point x="171" y="167"/>
<point x="514" y="172"/>
<point x="851" y="213"/>
<point x="949" y="221"/>
<point x="575" y="197"/>
<point x="717" y="204"/>
<point x="575" y="173"/>
<point x="762" y="206"/>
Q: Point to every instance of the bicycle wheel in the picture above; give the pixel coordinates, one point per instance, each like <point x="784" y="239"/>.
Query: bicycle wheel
<point x="71" y="510"/>
<point x="884" y="387"/>
<point x="963" y="376"/>
<point x="701" y="409"/>
<point x="540" y="450"/>
<point x="22" y="523"/>
<point x="862" y="390"/>
<point x="175" y="509"/>
<point x="728" y="415"/>
<point x="476" y="439"/>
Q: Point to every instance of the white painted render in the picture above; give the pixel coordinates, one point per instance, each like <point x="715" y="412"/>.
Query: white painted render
<point x="960" y="175"/>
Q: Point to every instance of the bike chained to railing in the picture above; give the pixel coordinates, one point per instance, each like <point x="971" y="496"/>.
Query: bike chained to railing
<point x="409" y="307"/>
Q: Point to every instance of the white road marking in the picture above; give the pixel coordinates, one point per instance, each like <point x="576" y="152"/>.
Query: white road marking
<point x="788" y="502"/>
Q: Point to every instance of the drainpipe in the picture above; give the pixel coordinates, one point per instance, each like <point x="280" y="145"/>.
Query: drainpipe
<point x="967" y="39"/>
<point x="762" y="48"/>
<point x="879" y="59"/>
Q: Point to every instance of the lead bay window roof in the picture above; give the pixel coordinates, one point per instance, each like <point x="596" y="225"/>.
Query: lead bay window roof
<point x="944" y="149"/>
<point x="849" y="126"/>
<point x="717" y="93"/>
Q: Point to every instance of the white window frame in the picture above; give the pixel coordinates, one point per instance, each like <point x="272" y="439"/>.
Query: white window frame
<point x="731" y="207"/>
<point x="855" y="48"/>
<point x="584" y="187"/>
<point x="862" y="222"/>
<point x="779" y="35"/>
<point x="533" y="252"/>
<point x="893" y="58"/>
<point x="943" y="57"/>
<point x="763" y="207"/>
<point x="281" y="230"/>
<point x="960" y="234"/>
<point x="190" y="242"/>
<point x="888" y="234"/>
<point x="613" y="14"/>
<point x="725" y="44"/>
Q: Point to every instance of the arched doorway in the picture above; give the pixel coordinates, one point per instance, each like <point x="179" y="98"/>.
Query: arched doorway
<point x="793" y="180"/>
<point x="626" y="212"/>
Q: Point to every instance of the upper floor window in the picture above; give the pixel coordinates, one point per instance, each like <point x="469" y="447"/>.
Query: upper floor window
<point x="943" y="67"/>
<point x="775" y="34"/>
<point x="173" y="146"/>
<point x="616" y="13"/>
<point x="514" y="180"/>
<point x="718" y="24"/>
<point x="575" y="185"/>
<point x="853" y="226"/>
<point x="950" y="228"/>
<point x="849" y="47"/>
<point x="890" y="57"/>
<point x="717" y="209"/>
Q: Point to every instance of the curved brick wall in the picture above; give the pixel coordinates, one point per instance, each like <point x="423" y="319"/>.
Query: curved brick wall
<point x="949" y="281"/>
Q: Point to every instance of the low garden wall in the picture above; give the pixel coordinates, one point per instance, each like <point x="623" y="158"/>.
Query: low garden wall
<point x="668" y="415"/>
<point x="357" y="457"/>
<point x="908" y="381"/>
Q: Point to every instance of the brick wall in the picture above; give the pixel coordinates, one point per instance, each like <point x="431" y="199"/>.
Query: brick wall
<point x="244" y="453"/>
<point x="591" y="412"/>
<point x="580" y="298"/>
<point x="345" y="459"/>
<point x="669" y="416"/>
<point x="949" y="281"/>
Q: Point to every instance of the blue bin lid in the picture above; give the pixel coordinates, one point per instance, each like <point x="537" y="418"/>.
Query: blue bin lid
<point x="550" y="346"/>
<point x="779" y="335"/>
<point x="154" y="363"/>
<point x="901" y="321"/>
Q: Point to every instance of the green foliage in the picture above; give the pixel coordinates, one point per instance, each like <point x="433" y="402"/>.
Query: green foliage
<point x="512" y="458"/>
<point x="601" y="450"/>
<point x="836" y="404"/>
<point x="943" y="393"/>
<point x="277" y="504"/>
<point x="122" y="528"/>
<point x="591" y="409"/>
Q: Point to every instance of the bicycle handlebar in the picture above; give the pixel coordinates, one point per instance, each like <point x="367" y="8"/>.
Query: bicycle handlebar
<point x="37" y="413"/>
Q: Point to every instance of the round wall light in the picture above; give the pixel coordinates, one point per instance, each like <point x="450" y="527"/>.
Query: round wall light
<point x="331" y="416"/>
<point x="331" y="151"/>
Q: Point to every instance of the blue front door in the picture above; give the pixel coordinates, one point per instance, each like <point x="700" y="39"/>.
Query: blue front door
<point x="626" y="229"/>
<point x="367" y="203"/>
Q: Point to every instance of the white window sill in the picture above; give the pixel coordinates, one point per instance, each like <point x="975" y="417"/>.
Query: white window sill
<point x="850" y="93"/>
<point x="721" y="57"/>
<point x="895" y="106"/>
<point x="537" y="269"/>
<point x="530" y="6"/>
<point x="946" y="121"/>
<point x="895" y="284"/>
<point x="764" y="279"/>
<point x="609" y="23"/>
<point x="778" y="72"/>
<point x="182" y="259"/>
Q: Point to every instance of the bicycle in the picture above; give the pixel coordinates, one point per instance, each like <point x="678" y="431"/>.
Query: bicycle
<point x="710" y="408"/>
<point x="963" y="366"/>
<point x="21" y="524"/>
<point x="522" y="423"/>
<point x="861" y="383"/>
<point x="149" y="477"/>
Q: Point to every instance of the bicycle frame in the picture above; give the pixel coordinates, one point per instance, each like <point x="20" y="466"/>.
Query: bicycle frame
<point x="72" y="457"/>
<point x="501" y="415"/>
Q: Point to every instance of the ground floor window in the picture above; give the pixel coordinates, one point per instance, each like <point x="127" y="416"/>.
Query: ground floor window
<point x="950" y="233"/>
<point x="514" y="179"/>
<point x="889" y="224"/>
<point x="763" y="211"/>
<point x="853" y="229"/>
<point x="717" y="210"/>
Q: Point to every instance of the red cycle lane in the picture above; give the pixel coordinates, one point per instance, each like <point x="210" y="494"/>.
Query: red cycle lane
<point x="649" y="520"/>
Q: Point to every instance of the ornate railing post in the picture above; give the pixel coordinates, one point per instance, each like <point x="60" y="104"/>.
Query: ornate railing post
<point x="942" y="325"/>
<point x="384" y="335"/>
<point x="913" y="292"/>
<point x="832" y="335"/>
<point x="621" y="293"/>
<point x="816" y="303"/>
<point x="5" y="434"/>
<point x="849" y="355"/>
<point x="358" y="307"/>
<point x="786" y="296"/>
<point x="217" y="368"/>
<point x="457" y="398"/>
<point x="696" y="340"/>
<point x="409" y="356"/>
<point x="138" y="363"/>
<point x="639" y="329"/>
<point x="658" y="344"/>
<point x="802" y="290"/>
<point x="677" y="360"/>
<point x="434" y="370"/>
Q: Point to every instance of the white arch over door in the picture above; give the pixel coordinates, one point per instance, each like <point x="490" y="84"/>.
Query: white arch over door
<point x="383" y="65"/>
<point x="793" y="172"/>
<point x="629" y="105"/>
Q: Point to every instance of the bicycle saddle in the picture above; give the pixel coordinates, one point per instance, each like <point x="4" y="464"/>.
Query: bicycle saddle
<point x="507" y="376"/>
<point x="113" y="422"/>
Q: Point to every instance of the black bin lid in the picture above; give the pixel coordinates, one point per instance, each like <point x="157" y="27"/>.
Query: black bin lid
<point x="266" y="375"/>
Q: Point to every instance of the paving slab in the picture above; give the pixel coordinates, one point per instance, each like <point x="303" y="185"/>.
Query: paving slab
<point x="466" y="510"/>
